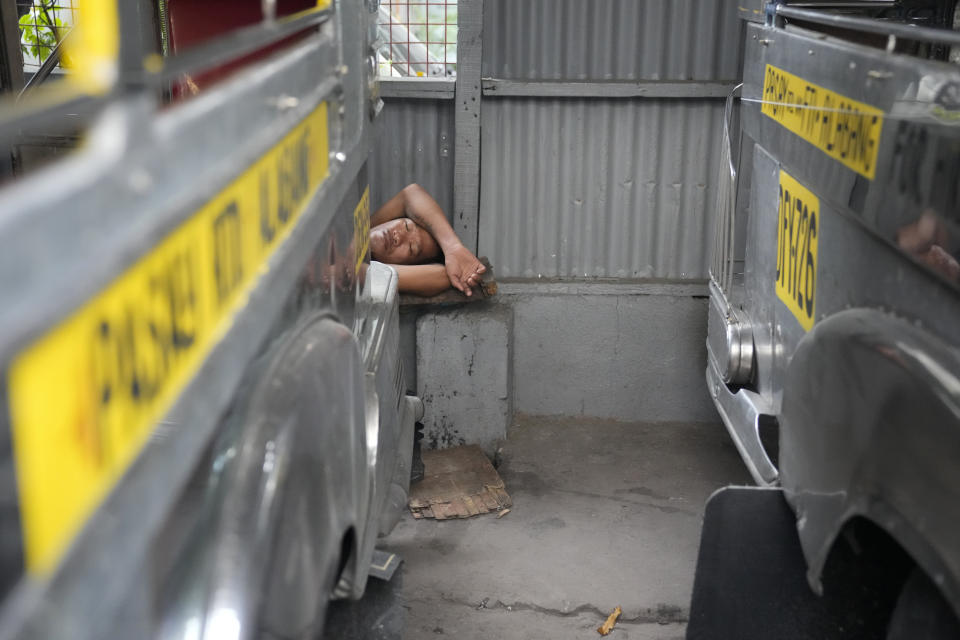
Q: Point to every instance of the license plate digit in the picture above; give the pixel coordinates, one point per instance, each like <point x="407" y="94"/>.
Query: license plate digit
<point x="798" y="231"/>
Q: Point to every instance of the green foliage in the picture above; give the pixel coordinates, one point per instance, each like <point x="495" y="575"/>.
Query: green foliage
<point x="41" y="29"/>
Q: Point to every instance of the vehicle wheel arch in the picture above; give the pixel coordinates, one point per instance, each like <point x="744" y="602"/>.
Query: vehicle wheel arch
<point x="284" y="514"/>
<point x="883" y="463"/>
<point x="876" y="550"/>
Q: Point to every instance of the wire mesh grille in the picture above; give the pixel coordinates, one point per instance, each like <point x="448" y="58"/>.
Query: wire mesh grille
<point x="43" y="25"/>
<point x="419" y="38"/>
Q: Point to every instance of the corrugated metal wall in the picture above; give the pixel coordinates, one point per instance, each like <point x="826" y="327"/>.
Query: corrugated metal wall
<point x="610" y="39"/>
<point x="414" y="143"/>
<point x="602" y="187"/>
<point x="591" y="188"/>
<point x="582" y="187"/>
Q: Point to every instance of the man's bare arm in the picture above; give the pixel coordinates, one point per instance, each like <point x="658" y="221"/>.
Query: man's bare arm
<point x="463" y="268"/>
<point x="422" y="279"/>
<point x="391" y="210"/>
<point x="415" y="203"/>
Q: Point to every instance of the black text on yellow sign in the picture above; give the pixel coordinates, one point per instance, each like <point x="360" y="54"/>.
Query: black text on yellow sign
<point x="85" y="396"/>
<point x="798" y="232"/>
<point x="844" y="129"/>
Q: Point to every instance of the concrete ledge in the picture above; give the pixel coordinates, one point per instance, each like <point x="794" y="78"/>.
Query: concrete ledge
<point x="693" y="288"/>
<point x="633" y="352"/>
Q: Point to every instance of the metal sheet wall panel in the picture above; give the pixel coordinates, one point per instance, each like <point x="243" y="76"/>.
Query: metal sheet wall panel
<point x="414" y="142"/>
<point x="598" y="189"/>
<point x="611" y="39"/>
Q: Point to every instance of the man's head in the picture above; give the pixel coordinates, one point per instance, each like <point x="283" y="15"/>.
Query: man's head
<point x="401" y="241"/>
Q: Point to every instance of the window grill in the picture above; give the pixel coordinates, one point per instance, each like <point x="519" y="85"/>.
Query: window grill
<point x="43" y="26"/>
<point x="419" y="38"/>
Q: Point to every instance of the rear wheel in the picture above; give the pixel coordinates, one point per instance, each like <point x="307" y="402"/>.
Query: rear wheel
<point x="922" y="613"/>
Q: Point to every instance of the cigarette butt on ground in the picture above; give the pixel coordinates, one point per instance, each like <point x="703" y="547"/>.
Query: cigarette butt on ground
<point x="503" y="513"/>
<point x="607" y="626"/>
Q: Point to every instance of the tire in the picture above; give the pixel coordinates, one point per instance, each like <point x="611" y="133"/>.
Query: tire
<point x="922" y="613"/>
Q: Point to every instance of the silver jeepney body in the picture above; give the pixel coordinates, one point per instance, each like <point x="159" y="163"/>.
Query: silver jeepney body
<point x="867" y="395"/>
<point x="285" y="447"/>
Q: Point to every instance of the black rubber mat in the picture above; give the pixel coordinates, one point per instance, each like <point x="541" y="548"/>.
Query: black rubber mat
<point x="384" y="564"/>
<point x="751" y="575"/>
<point x="380" y="615"/>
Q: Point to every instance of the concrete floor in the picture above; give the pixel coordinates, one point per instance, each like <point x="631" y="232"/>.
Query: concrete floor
<point x="604" y="514"/>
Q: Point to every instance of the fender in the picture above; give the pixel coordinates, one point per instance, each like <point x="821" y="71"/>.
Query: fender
<point x="870" y="426"/>
<point x="284" y="496"/>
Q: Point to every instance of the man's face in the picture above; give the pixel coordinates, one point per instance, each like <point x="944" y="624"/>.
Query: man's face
<point x="401" y="241"/>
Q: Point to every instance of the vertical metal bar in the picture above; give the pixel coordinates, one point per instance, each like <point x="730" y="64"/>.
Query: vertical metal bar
<point x="466" y="175"/>
<point x="11" y="63"/>
<point x="140" y="35"/>
<point x="722" y="269"/>
<point x="269" y="10"/>
<point x="11" y="72"/>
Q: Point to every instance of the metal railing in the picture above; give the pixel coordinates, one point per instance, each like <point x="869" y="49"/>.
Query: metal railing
<point x="55" y="113"/>
<point x="866" y="25"/>
<point x="724" y="241"/>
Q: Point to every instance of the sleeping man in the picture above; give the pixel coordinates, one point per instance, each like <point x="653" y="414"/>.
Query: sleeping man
<point x="411" y="234"/>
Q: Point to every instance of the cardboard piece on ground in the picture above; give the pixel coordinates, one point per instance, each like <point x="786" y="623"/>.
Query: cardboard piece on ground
<point x="457" y="483"/>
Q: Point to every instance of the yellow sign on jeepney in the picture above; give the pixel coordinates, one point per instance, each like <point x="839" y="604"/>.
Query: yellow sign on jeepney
<point x="85" y="397"/>
<point x="844" y="129"/>
<point x="798" y="232"/>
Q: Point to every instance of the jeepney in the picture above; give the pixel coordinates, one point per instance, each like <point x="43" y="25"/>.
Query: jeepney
<point x="835" y="290"/>
<point x="204" y="423"/>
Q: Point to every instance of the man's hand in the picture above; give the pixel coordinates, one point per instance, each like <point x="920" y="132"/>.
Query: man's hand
<point x="463" y="268"/>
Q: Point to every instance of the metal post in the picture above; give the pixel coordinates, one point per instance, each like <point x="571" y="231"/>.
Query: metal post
<point x="466" y="175"/>
<point x="140" y="36"/>
<point x="11" y="62"/>
<point x="11" y="71"/>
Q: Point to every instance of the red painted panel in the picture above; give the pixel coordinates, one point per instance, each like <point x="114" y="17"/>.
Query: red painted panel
<point x="193" y="22"/>
<point x="196" y="21"/>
